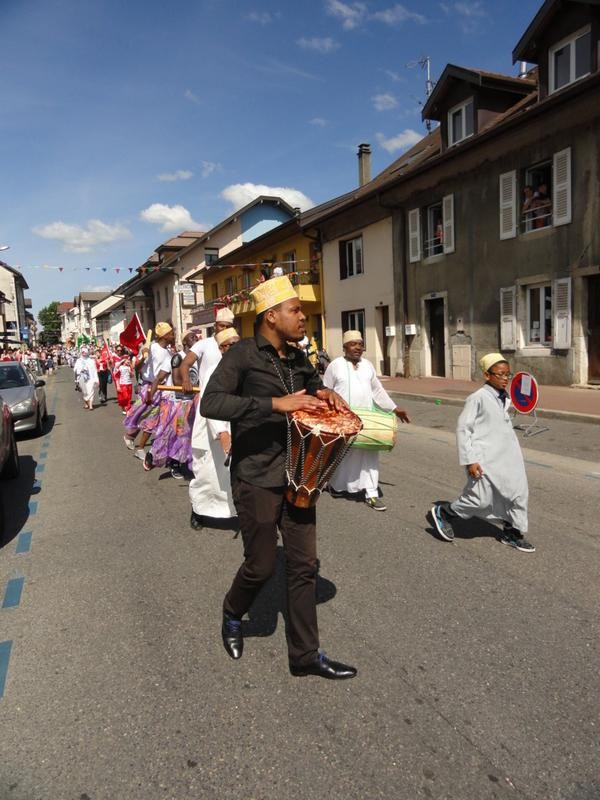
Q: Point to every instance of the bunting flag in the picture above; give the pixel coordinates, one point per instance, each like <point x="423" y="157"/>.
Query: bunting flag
<point x="151" y="269"/>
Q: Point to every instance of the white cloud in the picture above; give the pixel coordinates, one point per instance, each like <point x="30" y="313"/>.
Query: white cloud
<point x="351" y="14"/>
<point x="262" y="17"/>
<point x="319" y="122"/>
<point x="178" y="175"/>
<point x="170" y="218"/>
<point x="77" y="239"/>
<point x="240" y="194"/>
<point x="91" y="288"/>
<point x="208" y="167"/>
<point x="469" y="14"/>
<point x="398" y="14"/>
<point x="320" y="45"/>
<point x="395" y="76"/>
<point x="402" y="141"/>
<point x="384" y="102"/>
<point x="193" y="98"/>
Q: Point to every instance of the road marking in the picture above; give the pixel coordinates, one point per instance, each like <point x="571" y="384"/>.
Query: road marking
<point x="13" y="592"/>
<point x="44" y="455"/>
<point x="23" y="542"/>
<point x="46" y="444"/>
<point x="4" y="659"/>
<point x="537" y="464"/>
<point x="593" y="475"/>
<point x="33" y="507"/>
<point x="40" y="467"/>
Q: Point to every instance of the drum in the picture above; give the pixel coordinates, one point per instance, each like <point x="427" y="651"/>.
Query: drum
<point x="317" y="442"/>
<point x="379" y="429"/>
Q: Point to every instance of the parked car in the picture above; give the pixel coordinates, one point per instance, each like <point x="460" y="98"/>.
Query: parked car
<point x="36" y="367"/>
<point x="25" y="395"/>
<point x="9" y="455"/>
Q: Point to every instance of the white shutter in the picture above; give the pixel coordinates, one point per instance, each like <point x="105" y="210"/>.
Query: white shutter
<point x="448" y="214"/>
<point x="561" y="187"/>
<point x="508" y="319"/>
<point x="508" y="205"/>
<point x="414" y="235"/>
<point x="561" y="312"/>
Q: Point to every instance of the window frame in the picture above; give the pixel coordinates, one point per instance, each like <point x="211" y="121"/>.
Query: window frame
<point x="348" y="325"/>
<point x="571" y="41"/>
<point x="460" y="107"/>
<point x="428" y="248"/>
<point x="345" y="270"/>
<point x="542" y="308"/>
<point x="230" y="285"/>
<point x="523" y="229"/>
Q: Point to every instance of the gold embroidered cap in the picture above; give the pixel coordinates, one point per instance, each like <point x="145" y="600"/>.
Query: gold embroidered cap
<point x="488" y="361"/>
<point x="225" y="335"/>
<point x="352" y="336"/>
<point x="162" y="328"/>
<point x="224" y="315"/>
<point x="272" y="292"/>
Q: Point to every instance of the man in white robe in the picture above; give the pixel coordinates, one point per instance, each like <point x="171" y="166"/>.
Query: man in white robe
<point x="354" y="378"/>
<point x="210" y="488"/>
<point x="86" y="375"/>
<point x="488" y="448"/>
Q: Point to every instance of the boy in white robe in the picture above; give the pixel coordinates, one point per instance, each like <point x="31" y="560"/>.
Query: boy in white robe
<point x="210" y="488"/>
<point x="488" y="447"/>
<point x="354" y="378"/>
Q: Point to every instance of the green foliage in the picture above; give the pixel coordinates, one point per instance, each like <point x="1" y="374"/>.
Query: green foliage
<point x="50" y="321"/>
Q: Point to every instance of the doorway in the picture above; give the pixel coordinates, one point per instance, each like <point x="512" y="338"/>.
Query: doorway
<point x="593" y="329"/>
<point x="436" y="333"/>
<point x="384" y="322"/>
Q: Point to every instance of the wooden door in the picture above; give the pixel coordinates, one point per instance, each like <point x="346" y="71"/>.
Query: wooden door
<point x="593" y="329"/>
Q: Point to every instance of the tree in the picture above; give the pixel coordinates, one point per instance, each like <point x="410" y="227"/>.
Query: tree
<point x="50" y="321"/>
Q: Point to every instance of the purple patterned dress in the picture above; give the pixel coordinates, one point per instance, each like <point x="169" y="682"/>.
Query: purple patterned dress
<point x="142" y="417"/>
<point x="173" y="433"/>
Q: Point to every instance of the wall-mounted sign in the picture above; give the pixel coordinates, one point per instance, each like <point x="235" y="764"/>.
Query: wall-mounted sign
<point x="390" y="330"/>
<point x="188" y="293"/>
<point x="410" y="330"/>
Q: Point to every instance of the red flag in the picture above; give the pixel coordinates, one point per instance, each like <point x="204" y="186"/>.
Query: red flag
<point x="133" y="335"/>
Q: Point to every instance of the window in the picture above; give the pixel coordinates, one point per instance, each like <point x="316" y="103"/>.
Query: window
<point x="246" y="279"/>
<point x="211" y="256"/>
<point x="539" y="315"/>
<point x="214" y="290"/>
<point x="229" y="285"/>
<point x="461" y="122"/>
<point x="158" y="299"/>
<point x="571" y="59"/>
<point x="289" y="262"/>
<point x="536" y="205"/>
<point x="166" y="296"/>
<point x="434" y="231"/>
<point x="354" y="321"/>
<point x="351" y="258"/>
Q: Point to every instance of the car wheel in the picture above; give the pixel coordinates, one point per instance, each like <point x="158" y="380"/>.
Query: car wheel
<point x="39" y="425"/>
<point x="12" y="468"/>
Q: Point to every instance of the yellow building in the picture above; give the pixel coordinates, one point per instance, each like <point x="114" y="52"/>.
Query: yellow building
<point x="230" y="281"/>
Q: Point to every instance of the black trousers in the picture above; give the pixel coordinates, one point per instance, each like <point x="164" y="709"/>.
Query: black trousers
<point x="260" y="513"/>
<point x="103" y="381"/>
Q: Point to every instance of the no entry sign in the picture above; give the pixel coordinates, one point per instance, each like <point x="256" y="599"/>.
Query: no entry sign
<point x="524" y="392"/>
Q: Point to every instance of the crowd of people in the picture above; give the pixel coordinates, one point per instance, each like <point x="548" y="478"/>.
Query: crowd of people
<point x="218" y="410"/>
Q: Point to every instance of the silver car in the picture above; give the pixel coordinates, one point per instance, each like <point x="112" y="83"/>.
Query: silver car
<point x="25" y="395"/>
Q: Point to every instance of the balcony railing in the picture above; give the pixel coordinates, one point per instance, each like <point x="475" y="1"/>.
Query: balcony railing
<point x="536" y="218"/>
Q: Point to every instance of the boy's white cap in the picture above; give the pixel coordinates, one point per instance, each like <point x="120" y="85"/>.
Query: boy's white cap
<point x="488" y="361"/>
<point x="352" y="336"/>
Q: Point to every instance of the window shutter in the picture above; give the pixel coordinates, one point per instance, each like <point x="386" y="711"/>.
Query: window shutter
<point x="508" y="205"/>
<point x="561" y="310"/>
<point x="508" y="319"/>
<point x="343" y="262"/>
<point x="414" y="235"/>
<point x="448" y="215"/>
<point x="561" y="187"/>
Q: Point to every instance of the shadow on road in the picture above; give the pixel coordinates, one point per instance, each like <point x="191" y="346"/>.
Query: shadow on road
<point x="272" y="601"/>
<point x="15" y="496"/>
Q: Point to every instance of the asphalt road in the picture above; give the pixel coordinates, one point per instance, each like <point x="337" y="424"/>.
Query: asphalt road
<point x="478" y="665"/>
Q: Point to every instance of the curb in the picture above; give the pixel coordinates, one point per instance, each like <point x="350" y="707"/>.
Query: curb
<point x="567" y="416"/>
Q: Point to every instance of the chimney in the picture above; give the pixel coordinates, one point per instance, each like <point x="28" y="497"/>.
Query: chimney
<point x="522" y="69"/>
<point x="364" y="164"/>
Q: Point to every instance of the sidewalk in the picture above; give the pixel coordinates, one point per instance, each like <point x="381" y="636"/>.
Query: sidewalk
<point x="564" y="402"/>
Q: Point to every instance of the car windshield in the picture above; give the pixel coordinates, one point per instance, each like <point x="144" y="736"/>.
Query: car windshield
<point x="12" y="376"/>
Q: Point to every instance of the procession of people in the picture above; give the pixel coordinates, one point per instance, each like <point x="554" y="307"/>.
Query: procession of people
<point x="224" y="412"/>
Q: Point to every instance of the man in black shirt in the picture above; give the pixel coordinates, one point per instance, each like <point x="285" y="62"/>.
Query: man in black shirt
<point x="255" y="385"/>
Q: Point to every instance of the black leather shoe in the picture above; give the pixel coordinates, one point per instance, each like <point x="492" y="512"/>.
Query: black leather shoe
<point x="196" y="522"/>
<point x="323" y="667"/>
<point x="233" y="640"/>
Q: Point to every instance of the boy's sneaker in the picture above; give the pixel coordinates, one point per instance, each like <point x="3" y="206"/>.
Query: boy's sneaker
<point x="176" y="472"/>
<point x="141" y="454"/>
<point x="148" y="462"/>
<point x="375" y="503"/>
<point x="442" y="522"/>
<point x="129" y="442"/>
<point x="514" y="538"/>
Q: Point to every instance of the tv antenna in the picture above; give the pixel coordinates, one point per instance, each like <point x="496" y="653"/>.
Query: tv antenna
<point x="425" y="63"/>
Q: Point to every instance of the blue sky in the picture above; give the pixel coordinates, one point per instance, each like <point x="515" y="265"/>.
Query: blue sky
<point x="124" y="122"/>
